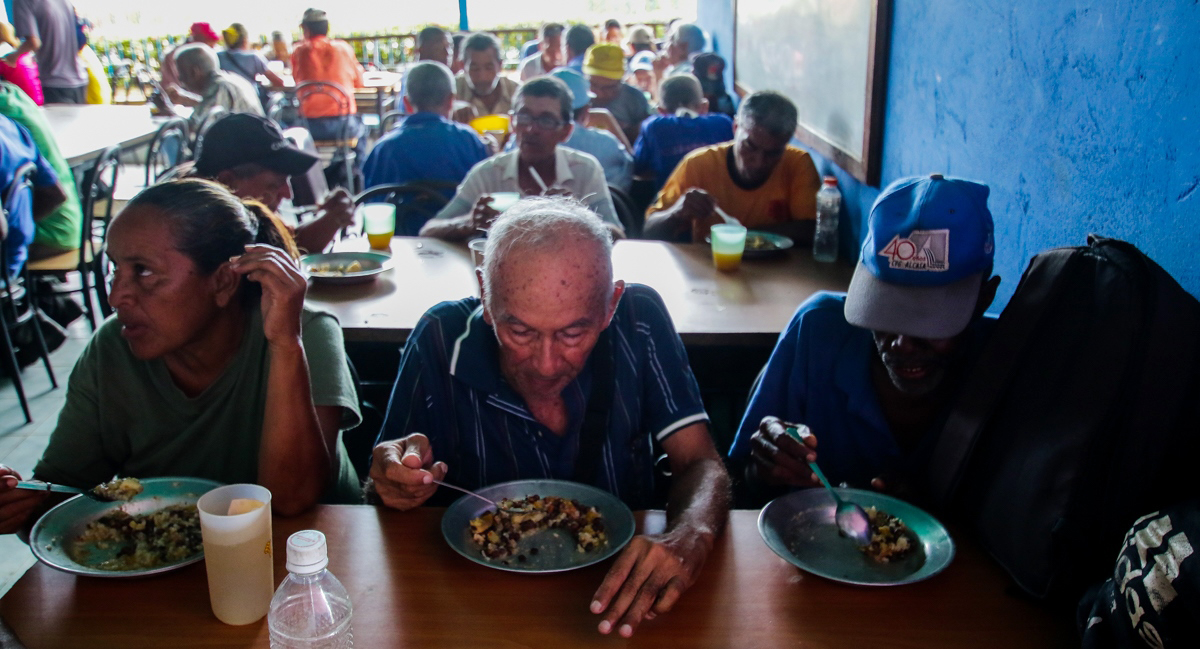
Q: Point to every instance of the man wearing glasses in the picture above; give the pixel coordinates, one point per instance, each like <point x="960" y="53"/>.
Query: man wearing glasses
<point x="539" y="166"/>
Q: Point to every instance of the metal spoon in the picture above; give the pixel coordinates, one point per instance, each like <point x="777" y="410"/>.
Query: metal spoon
<point x="851" y="519"/>
<point x="38" y="485"/>
<point x="725" y="217"/>
<point x="511" y="510"/>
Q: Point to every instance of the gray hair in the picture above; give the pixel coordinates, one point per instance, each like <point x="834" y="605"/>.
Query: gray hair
<point x="680" y="91"/>
<point x="546" y="224"/>
<point x="547" y="86"/>
<point x="769" y="110"/>
<point x="691" y="36"/>
<point x="197" y="56"/>
<point x="480" y="42"/>
<point x="428" y="85"/>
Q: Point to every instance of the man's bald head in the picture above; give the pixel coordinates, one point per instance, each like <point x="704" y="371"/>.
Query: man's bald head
<point x="547" y="226"/>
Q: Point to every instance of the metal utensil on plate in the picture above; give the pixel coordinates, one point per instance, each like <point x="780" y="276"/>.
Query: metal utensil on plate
<point x="724" y="216"/>
<point x="37" y="485"/>
<point x="511" y="510"/>
<point x="851" y="519"/>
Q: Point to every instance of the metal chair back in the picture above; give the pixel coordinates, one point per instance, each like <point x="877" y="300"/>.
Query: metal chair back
<point x="214" y="113"/>
<point x="167" y="149"/>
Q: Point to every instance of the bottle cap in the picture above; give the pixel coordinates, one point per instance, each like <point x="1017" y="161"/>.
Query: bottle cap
<point x="830" y="180"/>
<point x="307" y="552"/>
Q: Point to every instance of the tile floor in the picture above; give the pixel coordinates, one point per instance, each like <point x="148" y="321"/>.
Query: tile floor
<point x="21" y="444"/>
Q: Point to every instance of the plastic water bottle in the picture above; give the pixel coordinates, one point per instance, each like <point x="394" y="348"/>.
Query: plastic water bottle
<point x="311" y="609"/>
<point x="829" y="205"/>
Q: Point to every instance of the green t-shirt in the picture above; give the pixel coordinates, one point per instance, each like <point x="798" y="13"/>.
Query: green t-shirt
<point x="60" y="228"/>
<point x="126" y="416"/>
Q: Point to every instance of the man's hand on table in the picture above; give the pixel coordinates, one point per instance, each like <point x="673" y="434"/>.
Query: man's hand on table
<point x="648" y="578"/>
<point x="403" y="471"/>
<point x="778" y="459"/>
<point x="16" y="505"/>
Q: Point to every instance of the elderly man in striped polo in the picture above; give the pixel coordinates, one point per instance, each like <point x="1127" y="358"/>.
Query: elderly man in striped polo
<point x="560" y="372"/>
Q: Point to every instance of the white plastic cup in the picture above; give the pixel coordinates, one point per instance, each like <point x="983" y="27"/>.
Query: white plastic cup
<point x="237" y="553"/>
<point x="728" y="244"/>
<point x="379" y="224"/>
<point x="477" y="246"/>
<point x="501" y="201"/>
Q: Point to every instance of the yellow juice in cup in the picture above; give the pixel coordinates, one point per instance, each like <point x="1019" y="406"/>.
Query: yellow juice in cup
<point x="727" y="261"/>
<point x="380" y="240"/>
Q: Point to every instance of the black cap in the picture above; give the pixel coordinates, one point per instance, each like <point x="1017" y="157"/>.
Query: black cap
<point x="243" y="138"/>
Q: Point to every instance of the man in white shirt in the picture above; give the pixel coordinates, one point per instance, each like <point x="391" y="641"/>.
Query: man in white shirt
<point x="549" y="56"/>
<point x="542" y="121"/>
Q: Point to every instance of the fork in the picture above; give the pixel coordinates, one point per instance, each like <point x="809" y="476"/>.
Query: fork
<point x="511" y="510"/>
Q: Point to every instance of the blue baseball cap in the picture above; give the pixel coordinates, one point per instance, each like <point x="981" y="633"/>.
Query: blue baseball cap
<point x="580" y="88"/>
<point x="929" y="242"/>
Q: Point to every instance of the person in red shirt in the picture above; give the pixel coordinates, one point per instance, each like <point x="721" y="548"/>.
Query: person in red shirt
<point x="320" y="58"/>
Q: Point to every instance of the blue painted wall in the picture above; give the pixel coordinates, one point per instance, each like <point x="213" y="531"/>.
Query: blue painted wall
<point x="1082" y="116"/>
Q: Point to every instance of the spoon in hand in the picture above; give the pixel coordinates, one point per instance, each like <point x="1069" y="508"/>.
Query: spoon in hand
<point x="511" y="510"/>
<point x="37" y="485"/>
<point x="851" y="519"/>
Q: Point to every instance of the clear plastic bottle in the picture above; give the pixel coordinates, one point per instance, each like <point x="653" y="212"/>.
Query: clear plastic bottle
<point x="829" y="206"/>
<point x="311" y="609"/>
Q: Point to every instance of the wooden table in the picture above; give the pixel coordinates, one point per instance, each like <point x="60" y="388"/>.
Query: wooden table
<point x="409" y="589"/>
<point x="747" y="307"/>
<point x="83" y="132"/>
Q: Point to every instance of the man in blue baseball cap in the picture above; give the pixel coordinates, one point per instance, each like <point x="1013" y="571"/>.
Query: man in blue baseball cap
<point x="873" y="371"/>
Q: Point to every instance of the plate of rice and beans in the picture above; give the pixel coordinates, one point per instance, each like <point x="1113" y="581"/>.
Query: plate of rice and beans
<point x="155" y="531"/>
<point x="907" y="544"/>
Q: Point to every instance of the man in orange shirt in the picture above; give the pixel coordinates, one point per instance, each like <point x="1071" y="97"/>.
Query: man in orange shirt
<point x="758" y="178"/>
<point x="320" y="58"/>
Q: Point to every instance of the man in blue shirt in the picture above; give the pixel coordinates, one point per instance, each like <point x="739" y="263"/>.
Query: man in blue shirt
<point x="683" y="125"/>
<point x="616" y="161"/>
<point x="560" y="372"/>
<point x="426" y="145"/>
<point x="17" y="149"/>
<point x="578" y="39"/>
<point x="873" y="372"/>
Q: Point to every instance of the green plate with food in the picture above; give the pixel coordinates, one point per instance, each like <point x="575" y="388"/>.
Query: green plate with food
<point x="99" y="539"/>
<point x="345" y="267"/>
<point x="564" y="526"/>
<point x="800" y="528"/>
<point x="761" y="244"/>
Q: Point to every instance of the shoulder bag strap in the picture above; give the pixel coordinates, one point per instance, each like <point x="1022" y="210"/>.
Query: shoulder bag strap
<point x="991" y="372"/>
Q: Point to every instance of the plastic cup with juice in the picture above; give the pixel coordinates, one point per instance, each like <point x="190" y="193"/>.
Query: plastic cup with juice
<point x="728" y="243"/>
<point x="379" y="222"/>
<point x="235" y="526"/>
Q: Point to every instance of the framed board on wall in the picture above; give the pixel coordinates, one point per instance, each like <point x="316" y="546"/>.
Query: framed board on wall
<point x="830" y="58"/>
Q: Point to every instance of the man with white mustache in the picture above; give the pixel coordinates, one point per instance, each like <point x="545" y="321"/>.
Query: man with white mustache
<point x="480" y="83"/>
<point x="873" y="372"/>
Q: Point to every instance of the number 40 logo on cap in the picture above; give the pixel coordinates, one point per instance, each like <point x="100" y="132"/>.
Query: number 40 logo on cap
<point x="921" y="250"/>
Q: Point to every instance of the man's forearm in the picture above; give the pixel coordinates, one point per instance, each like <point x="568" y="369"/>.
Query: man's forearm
<point x="665" y="225"/>
<point x="454" y="228"/>
<point x="699" y="500"/>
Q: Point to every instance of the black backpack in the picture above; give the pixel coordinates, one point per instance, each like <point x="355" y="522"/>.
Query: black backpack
<point x="1079" y="417"/>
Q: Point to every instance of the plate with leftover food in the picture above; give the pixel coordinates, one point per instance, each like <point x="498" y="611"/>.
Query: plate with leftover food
<point x="907" y="544"/>
<point x="345" y="267"/>
<point x="561" y="526"/>
<point x="761" y="244"/>
<point x="155" y="531"/>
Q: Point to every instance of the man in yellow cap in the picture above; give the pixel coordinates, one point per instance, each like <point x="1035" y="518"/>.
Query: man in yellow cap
<point x="604" y="65"/>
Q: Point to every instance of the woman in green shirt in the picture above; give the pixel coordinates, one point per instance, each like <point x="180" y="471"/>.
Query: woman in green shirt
<point x="212" y="367"/>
